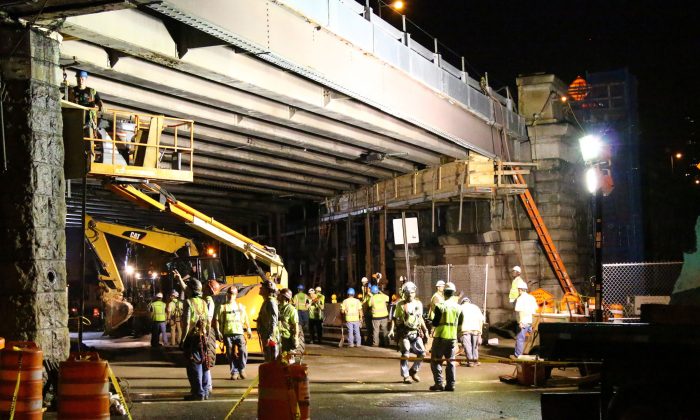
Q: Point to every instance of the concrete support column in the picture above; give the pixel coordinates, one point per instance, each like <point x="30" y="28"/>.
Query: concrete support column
<point x="33" y="302"/>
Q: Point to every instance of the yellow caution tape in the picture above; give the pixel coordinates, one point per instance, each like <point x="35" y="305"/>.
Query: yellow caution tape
<point x="13" y="406"/>
<point x="119" y="391"/>
<point x="243" y="397"/>
<point x="460" y="359"/>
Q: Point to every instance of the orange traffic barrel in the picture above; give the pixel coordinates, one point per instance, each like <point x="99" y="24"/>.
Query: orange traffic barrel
<point x="300" y="383"/>
<point x="23" y="360"/>
<point x="276" y="397"/>
<point x="83" y="387"/>
<point x="2" y="343"/>
<point x="617" y="312"/>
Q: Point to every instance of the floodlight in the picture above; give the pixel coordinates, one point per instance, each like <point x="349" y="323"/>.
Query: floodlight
<point x="129" y="269"/>
<point x="591" y="147"/>
<point x="592" y="179"/>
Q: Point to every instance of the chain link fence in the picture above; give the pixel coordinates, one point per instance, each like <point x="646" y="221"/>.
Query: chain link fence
<point x="622" y="282"/>
<point x="471" y="280"/>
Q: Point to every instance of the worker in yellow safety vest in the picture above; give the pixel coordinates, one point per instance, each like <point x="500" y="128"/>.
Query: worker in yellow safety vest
<point x="364" y="297"/>
<point x="288" y="323"/>
<point x="194" y="345"/>
<point x="514" y="293"/>
<point x="231" y="319"/>
<point x="157" y="310"/>
<point x="378" y="305"/>
<point x="351" y="309"/>
<point x="447" y="320"/>
<point x="174" y="317"/>
<point x="301" y="302"/>
<point x="316" y="315"/>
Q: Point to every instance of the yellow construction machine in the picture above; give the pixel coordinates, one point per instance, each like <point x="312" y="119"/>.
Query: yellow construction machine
<point x="128" y="151"/>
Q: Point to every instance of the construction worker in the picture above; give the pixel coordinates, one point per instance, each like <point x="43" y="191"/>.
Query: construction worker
<point x="289" y="328"/>
<point x="157" y="310"/>
<point x="437" y="298"/>
<point x="525" y="307"/>
<point x="173" y="314"/>
<point x="320" y="295"/>
<point x="301" y="303"/>
<point x="351" y="309"/>
<point x="447" y="318"/>
<point x="470" y="331"/>
<point x="378" y="305"/>
<point x="195" y="343"/>
<point x="515" y="273"/>
<point x="88" y="97"/>
<point x="316" y="315"/>
<point x="409" y="328"/>
<point x="231" y="320"/>
<point x="366" y="311"/>
<point x="268" y="320"/>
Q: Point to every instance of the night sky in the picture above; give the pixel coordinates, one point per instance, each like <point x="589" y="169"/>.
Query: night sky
<point x="658" y="42"/>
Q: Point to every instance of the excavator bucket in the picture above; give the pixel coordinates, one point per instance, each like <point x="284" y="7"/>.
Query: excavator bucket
<point x="117" y="312"/>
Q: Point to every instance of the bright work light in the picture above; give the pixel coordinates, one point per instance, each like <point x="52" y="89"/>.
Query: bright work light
<point x="592" y="179"/>
<point x="129" y="269"/>
<point x="591" y="147"/>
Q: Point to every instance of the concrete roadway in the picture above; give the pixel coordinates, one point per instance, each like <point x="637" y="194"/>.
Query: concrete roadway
<point x="344" y="383"/>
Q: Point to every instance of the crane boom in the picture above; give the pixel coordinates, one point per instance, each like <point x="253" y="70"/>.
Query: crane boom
<point x="203" y="223"/>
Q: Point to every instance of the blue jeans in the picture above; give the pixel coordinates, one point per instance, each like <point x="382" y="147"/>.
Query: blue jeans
<point x="443" y="347"/>
<point x="411" y="343"/>
<point x="303" y="319"/>
<point x="354" y="338"/>
<point x="198" y="375"/>
<point x="157" y="331"/>
<point x="521" y="337"/>
<point x="236" y="360"/>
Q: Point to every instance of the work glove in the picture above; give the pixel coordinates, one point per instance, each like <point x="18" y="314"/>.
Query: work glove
<point x="390" y="336"/>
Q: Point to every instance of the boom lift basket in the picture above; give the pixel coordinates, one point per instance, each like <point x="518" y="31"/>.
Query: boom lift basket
<point x="126" y="146"/>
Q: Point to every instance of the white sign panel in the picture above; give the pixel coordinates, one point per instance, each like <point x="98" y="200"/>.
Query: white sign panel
<point x="411" y="231"/>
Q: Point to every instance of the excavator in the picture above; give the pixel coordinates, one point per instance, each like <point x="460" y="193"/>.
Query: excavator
<point x="128" y="152"/>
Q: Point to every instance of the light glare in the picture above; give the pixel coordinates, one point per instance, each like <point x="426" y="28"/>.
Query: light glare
<point x="129" y="269"/>
<point x="591" y="147"/>
<point x="592" y="179"/>
<point x="398" y="5"/>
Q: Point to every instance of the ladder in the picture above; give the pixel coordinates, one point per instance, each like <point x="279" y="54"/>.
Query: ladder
<point x="550" y="249"/>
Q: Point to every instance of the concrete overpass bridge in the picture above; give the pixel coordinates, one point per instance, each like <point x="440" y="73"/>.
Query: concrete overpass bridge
<point x="292" y="99"/>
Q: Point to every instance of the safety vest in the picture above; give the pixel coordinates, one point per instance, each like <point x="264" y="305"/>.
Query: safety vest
<point x="289" y="318"/>
<point x="513" y="293"/>
<point x="175" y="309"/>
<point x="352" y="308"/>
<point x="231" y="318"/>
<point x="301" y="301"/>
<point x="378" y="303"/>
<point x="158" y="311"/>
<point x="437" y="299"/>
<point x="197" y="316"/>
<point x="409" y="314"/>
<point x="448" y="327"/>
<point x="316" y="308"/>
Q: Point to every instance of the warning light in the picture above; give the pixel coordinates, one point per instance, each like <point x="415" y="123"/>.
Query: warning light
<point x="578" y="89"/>
<point x="398" y="5"/>
<point x="211" y="251"/>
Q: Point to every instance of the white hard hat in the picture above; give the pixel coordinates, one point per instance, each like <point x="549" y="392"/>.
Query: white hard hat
<point x="450" y="286"/>
<point x="364" y="280"/>
<point x="159" y="295"/>
<point x="408" y="287"/>
<point x="318" y="289"/>
<point x="440" y="283"/>
<point x="517" y="268"/>
<point x="522" y="284"/>
<point x="175" y="293"/>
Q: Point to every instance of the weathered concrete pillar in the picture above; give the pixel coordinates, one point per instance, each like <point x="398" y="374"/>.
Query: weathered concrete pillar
<point x="557" y="184"/>
<point x="33" y="301"/>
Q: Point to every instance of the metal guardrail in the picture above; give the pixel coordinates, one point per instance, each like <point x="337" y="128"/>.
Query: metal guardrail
<point x="350" y="20"/>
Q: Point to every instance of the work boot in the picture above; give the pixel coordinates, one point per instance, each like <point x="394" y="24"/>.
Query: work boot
<point x="406" y="380"/>
<point x="450" y="388"/>
<point x="234" y="376"/>
<point x="437" y="387"/>
<point x="414" y="375"/>
<point x="194" y="397"/>
<point x="242" y="373"/>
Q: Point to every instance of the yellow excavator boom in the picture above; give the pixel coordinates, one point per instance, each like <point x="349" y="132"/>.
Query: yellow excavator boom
<point x="117" y="310"/>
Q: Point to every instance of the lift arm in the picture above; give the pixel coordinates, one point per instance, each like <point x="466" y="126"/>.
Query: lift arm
<point x="205" y="224"/>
